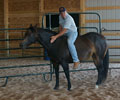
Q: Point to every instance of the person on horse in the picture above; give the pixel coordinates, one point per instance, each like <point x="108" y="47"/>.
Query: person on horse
<point x="67" y="27"/>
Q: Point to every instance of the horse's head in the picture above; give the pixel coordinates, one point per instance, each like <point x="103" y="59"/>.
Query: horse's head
<point x="30" y="36"/>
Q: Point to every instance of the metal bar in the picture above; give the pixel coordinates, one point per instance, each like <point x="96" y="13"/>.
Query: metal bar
<point x="99" y="18"/>
<point x="11" y="39"/>
<point x="2" y="49"/>
<point x="22" y="75"/>
<point x="43" y="22"/>
<point x="79" y="70"/>
<point x="50" y="21"/>
<point x="12" y="29"/>
<point x="6" y="81"/>
<point x="6" y="58"/>
<point x="23" y="66"/>
<point x="113" y="39"/>
<point x="114" y="48"/>
<point x="89" y="28"/>
<point x="106" y="30"/>
<point x="114" y="55"/>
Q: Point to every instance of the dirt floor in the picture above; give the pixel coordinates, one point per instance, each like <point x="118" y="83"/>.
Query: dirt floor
<point x="35" y="88"/>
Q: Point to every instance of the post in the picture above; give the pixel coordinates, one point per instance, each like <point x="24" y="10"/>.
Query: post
<point x="41" y="12"/>
<point x="82" y="16"/>
<point x="6" y="15"/>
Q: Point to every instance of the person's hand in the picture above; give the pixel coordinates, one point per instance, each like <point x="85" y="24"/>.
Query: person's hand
<point x="53" y="38"/>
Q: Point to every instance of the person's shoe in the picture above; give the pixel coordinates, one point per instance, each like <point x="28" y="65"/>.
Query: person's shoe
<point x="76" y="64"/>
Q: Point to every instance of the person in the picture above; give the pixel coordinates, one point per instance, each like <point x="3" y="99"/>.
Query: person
<point x="67" y="27"/>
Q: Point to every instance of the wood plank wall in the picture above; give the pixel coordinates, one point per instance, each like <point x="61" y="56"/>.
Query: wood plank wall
<point x="53" y="5"/>
<point x="1" y="13"/>
<point x="22" y="13"/>
<point x="2" y="44"/>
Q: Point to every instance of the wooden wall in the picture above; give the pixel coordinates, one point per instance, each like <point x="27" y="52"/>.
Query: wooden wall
<point x="22" y="13"/>
<point x="1" y="13"/>
<point x="2" y="44"/>
<point x="53" y="5"/>
<point x="19" y="14"/>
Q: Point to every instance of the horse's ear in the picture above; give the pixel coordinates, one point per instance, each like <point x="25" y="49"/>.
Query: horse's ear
<point x="36" y="26"/>
<point x="31" y="25"/>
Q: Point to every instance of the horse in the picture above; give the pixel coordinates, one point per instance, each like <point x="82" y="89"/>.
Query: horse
<point x="91" y="44"/>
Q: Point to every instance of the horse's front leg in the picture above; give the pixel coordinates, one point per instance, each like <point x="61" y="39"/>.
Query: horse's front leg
<point x="56" y="67"/>
<point x="66" y="70"/>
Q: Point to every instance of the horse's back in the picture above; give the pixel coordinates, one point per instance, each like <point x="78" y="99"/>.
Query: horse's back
<point x="90" y="43"/>
<point x="86" y="45"/>
<point x="93" y="36"/>
<point x="99" y="42"/>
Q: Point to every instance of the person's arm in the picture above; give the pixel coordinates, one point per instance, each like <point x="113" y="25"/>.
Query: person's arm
<point x="60" y="28"/>
<point x="53" y="38"/>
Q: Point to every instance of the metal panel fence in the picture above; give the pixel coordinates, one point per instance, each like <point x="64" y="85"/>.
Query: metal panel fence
<point x="9" y="48"/>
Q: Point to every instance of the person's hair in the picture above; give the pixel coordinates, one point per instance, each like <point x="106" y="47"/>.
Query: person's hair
<point x="62" y="9"/>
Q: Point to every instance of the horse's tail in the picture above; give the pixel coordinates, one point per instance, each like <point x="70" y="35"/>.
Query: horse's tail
<point x="106" y="64"/>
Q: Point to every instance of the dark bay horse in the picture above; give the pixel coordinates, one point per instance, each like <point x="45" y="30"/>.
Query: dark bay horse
<point x="91" y="44"/>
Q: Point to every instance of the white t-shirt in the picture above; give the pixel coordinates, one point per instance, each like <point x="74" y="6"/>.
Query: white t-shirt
<point x="68" y="23"/>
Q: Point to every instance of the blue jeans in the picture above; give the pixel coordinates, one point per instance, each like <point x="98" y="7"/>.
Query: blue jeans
<point x="71" y="39"/>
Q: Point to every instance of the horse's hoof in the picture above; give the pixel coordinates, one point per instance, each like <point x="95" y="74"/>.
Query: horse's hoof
<point x="96" y="86"/>
<point x="56" y="88"/>
<point x="69" y="89"/>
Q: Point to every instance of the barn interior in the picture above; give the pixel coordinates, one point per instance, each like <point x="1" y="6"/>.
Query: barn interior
<point x="102" y="16"/>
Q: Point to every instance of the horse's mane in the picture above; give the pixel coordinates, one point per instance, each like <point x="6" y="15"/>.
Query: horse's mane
<point x="47" y="33"/>
<point x="46" y="30"/>
<point x="31" y="28"/>
<point x="50" y="31"/>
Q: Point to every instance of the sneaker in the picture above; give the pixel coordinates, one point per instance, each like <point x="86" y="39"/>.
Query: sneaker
<point x="76" y="64"/>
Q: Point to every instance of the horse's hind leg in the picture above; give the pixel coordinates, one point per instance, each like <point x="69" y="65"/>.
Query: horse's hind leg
<point x="99" y="65"/>
<point x="56" y="67"/>
<point x="100" y="73"/>
<point x="66" y="70"/>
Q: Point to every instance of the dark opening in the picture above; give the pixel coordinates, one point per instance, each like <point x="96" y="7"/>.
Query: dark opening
<point x="55" y="20"/>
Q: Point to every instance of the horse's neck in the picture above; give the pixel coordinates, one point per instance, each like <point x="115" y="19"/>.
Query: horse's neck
<point x="45" y="37"/>
<point x="45" y="41"/>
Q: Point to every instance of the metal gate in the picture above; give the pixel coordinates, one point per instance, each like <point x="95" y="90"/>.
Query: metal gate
<point x="7" y="50"/>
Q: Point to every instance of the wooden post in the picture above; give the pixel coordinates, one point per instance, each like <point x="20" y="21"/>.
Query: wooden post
<point x="6" y="23"/>
<point x="41" y="10"/>
<point x="82" y="17"/>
